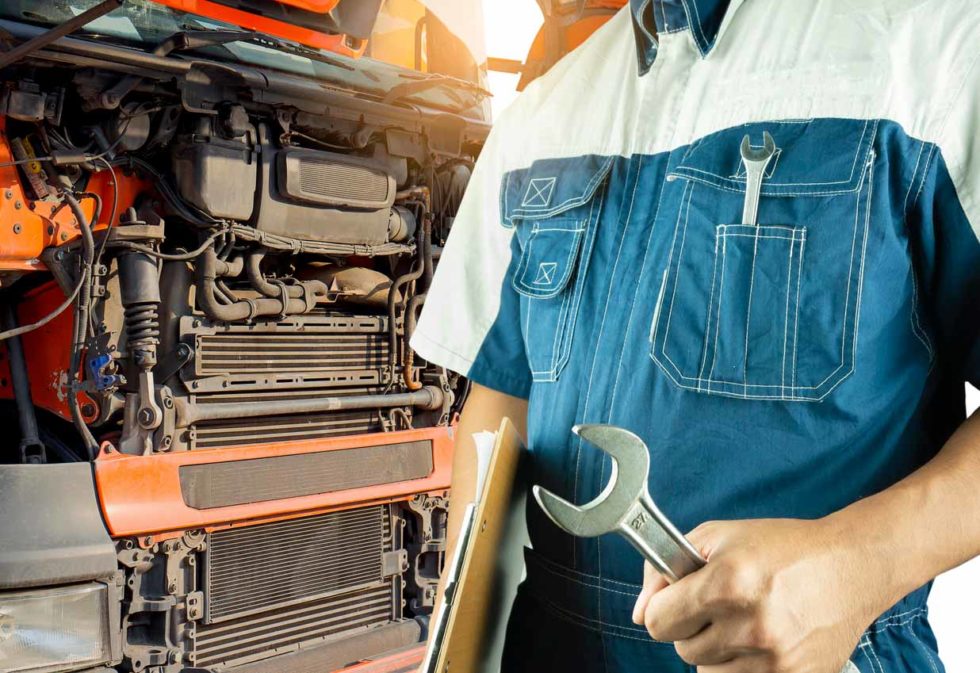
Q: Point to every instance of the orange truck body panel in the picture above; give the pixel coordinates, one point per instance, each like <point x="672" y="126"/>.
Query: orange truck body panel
<point x="340" y="44"/>
<point x="28" y="226"/>
<point x="141" y="495"/>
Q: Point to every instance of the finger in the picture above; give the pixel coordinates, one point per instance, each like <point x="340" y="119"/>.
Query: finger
<point x="708" y="536"/>
<point x="652" y="583"/>
<point x="717" y="644"/>
<point x="677" y="609"/>
<point x="750" y="664"/>
<point x="674" y="613"/>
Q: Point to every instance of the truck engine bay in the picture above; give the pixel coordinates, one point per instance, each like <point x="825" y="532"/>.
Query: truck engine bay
<point x="210" y="272"/>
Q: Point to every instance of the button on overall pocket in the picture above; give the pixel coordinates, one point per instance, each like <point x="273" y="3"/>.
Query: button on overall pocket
<point x="767" y="311"/>
<point x="554" y="208"/>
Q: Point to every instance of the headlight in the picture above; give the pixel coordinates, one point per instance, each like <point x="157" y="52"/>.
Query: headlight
<point x="54" y="629"/>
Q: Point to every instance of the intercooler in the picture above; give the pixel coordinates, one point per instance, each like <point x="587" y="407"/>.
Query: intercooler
<point x="279" y="587"/>
<point x="302" y="357"/>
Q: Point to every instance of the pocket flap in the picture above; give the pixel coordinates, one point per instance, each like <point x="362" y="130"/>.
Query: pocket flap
<point x="551" y="187"/>
<point x="550" y="256"/>
<point x="817" y="157"/>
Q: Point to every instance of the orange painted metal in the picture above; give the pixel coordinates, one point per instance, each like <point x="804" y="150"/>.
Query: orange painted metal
<point x="141" y="495"/>
<point x="47" y="351"/>
<point x="318" y="6"/>
<point x="340" y="44"/>
<point x="28" y="226"/>
<point x="403" y="662"/>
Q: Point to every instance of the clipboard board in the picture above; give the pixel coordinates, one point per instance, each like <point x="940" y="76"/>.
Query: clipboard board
<point x="469" y="632"/>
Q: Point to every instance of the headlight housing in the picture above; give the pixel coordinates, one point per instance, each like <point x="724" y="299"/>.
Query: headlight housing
<point x="56" y="629"/>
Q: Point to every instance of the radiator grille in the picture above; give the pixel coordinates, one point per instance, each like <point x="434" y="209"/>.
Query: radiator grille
<point x="260" y="479"/>
<point x="329" y="179"/>
<point x="275" y="632"/>
<point x="261" y="353"/>
<point x="215" y="434"/>
<point x="260" y="567"/>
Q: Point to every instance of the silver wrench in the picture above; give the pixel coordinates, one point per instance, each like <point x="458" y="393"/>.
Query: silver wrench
<point x="756" y="160"/>
<point x="625" y="506"/>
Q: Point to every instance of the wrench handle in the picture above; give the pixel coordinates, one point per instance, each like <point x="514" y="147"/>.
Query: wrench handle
<point x="659" y="541"/>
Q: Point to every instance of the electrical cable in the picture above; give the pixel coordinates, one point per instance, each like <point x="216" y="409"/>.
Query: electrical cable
<point x="178" y="257"/>
<point x="81" y="324"/>
<point x="24" y="329"/>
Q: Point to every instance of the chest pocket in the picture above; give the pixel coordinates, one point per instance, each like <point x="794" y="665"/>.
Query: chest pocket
<point x="767" y="311"/>
<point x="554" y="208"/>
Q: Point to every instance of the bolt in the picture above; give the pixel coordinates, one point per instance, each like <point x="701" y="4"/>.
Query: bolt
<point x="64" y="236"/>
<point x="8" y="195"/>
<point x="50" y="230"/>
<point x="18" y="205"/>
<point x="17" y="228"/>
<point x="145" y="416"/>
<point x="168" y="403"/>
<point x="88" y="409"/>
<point x="147" y="540"/>
<point x="165" y="443"/>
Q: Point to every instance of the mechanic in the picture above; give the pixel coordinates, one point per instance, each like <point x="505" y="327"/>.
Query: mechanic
<point x="789" y="334"/>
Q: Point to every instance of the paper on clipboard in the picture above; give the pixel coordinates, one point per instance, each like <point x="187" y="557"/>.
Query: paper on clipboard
<point x="468" y="634"/>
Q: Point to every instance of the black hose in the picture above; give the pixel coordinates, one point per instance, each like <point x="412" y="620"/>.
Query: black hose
<point x="411" y="310"/>
<point x="418" y="268"/>
<point x="31" y="447"/>
<point x="253" y="268"/>
<point x="81" y="324"/>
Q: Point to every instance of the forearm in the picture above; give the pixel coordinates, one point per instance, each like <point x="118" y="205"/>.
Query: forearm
<point x="918" y="528"/>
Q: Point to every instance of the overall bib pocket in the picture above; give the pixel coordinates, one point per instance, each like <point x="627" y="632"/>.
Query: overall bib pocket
<point x="554" y="208"/>
<point x="767" y="310"/>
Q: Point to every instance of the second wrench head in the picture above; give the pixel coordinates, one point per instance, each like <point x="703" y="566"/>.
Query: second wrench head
<point x="627" y="483"/>
<point x="758" y="154"/>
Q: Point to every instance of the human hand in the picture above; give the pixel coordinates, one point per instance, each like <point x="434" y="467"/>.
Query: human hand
<point x="776" y="596"/>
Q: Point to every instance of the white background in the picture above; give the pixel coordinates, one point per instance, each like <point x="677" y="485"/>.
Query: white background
<point x="511" y="25"/>
<point x="953" y="605"/>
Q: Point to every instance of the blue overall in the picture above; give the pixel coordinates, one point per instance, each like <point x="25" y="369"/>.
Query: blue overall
<point x="784" y="368"/>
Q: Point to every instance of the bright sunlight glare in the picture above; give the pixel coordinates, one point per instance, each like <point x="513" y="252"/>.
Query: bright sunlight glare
<point x="510" y="27"/>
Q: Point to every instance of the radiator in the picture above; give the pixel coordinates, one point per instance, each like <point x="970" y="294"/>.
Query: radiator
<point x="246" y="639"/>
<point x="258" y="568"/>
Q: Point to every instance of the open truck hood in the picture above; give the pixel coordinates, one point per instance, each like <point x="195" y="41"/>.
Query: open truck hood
<point x="341" y="26"/>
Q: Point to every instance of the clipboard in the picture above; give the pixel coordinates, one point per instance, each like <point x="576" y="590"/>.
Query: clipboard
<point x="468" y="634"/>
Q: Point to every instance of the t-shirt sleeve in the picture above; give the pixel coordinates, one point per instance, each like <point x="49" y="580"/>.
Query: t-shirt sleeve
<point x="949" y="247"/>
<point x="471" y="322"/>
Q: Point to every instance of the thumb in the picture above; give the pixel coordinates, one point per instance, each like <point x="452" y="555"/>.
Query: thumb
<point x="652" y="583"/>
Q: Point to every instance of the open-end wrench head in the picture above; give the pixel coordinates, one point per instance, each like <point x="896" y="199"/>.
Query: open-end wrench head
<point x="750" y="153"/>
<point x="627" y="483"/>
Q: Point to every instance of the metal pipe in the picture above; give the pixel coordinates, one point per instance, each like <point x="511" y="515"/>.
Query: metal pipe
<point x="395" y="294"/>
<point x="189" y="413"/>
<point x="31" y="447"/>
<point x="244" y="309"/>
<point x="254" y="271"/>
<point x="411" y="311"/>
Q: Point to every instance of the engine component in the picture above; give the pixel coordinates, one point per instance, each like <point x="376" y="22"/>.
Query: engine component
<point x="325" y="587"/>
<point x="322" y="196"/>
<point x="356" y="285"/>
<point x="210" y="268"/>
<point x="401" y="224"/>
<point x="31" y="447"/>
<point x="215" y="173"/>
<point x="140" y="296"/>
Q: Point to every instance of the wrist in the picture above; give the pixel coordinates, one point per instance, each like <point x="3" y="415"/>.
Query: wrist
<point x="869" y="560"/>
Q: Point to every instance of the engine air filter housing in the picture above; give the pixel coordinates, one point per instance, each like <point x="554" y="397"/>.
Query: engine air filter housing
<point x="324" y="196"/>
